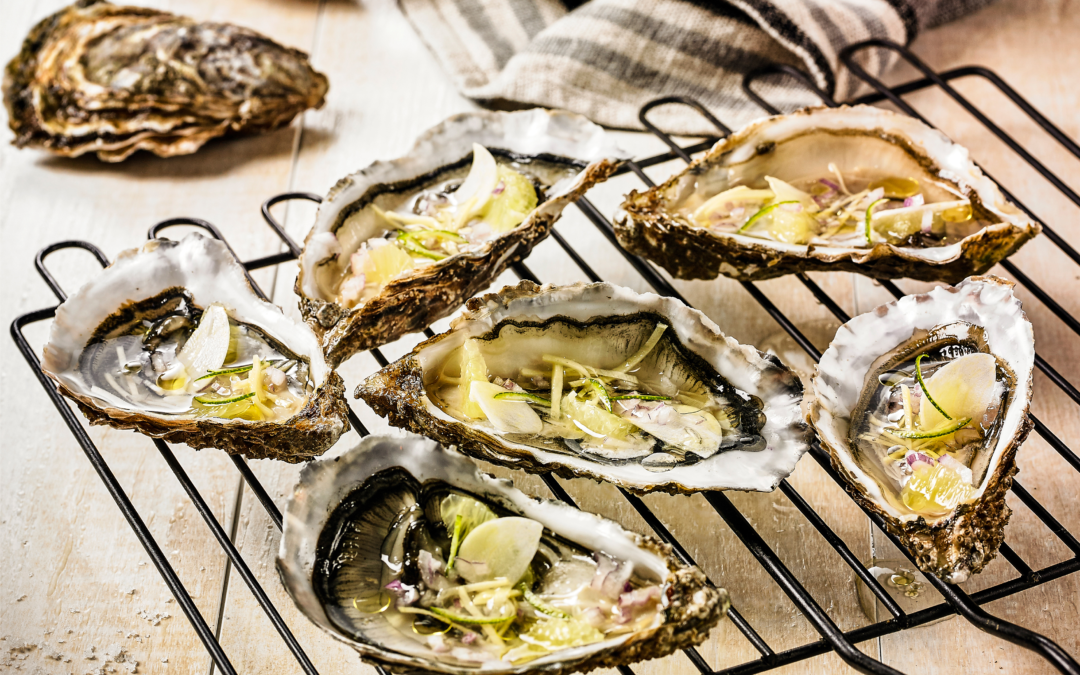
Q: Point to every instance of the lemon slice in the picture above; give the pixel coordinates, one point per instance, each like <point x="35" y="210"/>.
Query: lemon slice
<point x="963" y="388"/>
<point x="503" y="547"/>
<point x="207" y="347"/>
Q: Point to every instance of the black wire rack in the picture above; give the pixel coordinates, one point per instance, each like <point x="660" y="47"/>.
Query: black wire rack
<point x="956" y="601"/>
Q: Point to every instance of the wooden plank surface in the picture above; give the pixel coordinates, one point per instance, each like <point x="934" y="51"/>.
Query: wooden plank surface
<point x="70" y="560"/>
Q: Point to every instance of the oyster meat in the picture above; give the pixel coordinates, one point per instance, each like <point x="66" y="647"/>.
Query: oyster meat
<point x="922" y="404"/>
<point x="97" y="77"/>
<point x="597" y="380"/>
<point x="402" y="244"/>
<point x="407" y="553"/>
<point x="854" y="189"/>
<point x="171" y="341"/>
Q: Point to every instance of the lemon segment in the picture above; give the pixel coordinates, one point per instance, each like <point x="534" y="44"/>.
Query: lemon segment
<point x="963" y="388"/>
<point x="500" y="548"/>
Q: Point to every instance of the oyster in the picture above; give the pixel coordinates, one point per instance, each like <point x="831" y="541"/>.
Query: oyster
<point x="597" y="380"/>
<point x="97" y="77"/>
<point x="402" y="244"/>
<point x="922" y="404"/>
<point x="854" y="189"/>
<point x="407" y="553"/>
<point x="171" y="341"/>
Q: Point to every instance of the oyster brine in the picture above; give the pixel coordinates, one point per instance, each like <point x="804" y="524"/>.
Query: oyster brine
<point x="596" y="380"/>
<point x="923" y="404"/>
<point x="406" y="552"/>
<point x="402" y="244"/>
<point x="171" y="340"/>
<point x="97" y="77"/>
<point x="855" y="189"/>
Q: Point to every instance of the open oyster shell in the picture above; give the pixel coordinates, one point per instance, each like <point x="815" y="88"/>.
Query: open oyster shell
<point x="601" y="325"/>
<point x="359" y="478"/>
<point x="801" y="146"/>
<point x="564" y="153"/>
<point x="155" y="284"/>
<point x="979" y="315"/>
<point x="97" y="77"/>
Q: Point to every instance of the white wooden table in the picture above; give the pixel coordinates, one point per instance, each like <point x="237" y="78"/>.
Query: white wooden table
<point x="77" y="593"/>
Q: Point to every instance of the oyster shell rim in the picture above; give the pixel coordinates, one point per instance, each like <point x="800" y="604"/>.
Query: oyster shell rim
<point x="647" y="229"/>
<point x="697" y="605"/>
<point x="446" y="284"/>
<point x="952" y="536"/>
<point x="308" y="433"/>
<point x="423" y="416"/>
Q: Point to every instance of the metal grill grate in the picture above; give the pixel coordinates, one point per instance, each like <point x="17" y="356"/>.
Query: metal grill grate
<point x="832" y="637"/>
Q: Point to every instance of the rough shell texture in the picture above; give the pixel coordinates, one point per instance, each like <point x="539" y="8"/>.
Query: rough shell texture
<point x="206" y="269"/>
<point x="414" y="301"/>
<point x="96" y="77"/>
<point x="964" y="541"/>
<point x="398" y="393"/>
<point x="653" y="229"/>
<point x="694" y="606"/>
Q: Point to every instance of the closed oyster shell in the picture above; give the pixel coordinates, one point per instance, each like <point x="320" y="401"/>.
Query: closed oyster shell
<point x="399" y="391"/>
<point x="801" y="144"/>
<point x="97" y="77"/>
<point x="692" y="607"/>
<point x="206" y="271"/>
<point x="413" y="301"/>
<point x="960" y="543"/>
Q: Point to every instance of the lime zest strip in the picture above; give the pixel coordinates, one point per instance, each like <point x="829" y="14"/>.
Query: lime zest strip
<point x="223" y="401"/>
<point x="605" y="397"/>
<point x="955" y="425"/>
<point x="454" y="542"/>
<point x="925" y="391"/>
<point x="539" y="605"/>
<point x="764" y="211"/>
<point x="226" y="371"/>
<point x="410" y="244"/>
<point x="641" y="397"/>
<point x="869" y="215"/>
<point x="523" y="396"/>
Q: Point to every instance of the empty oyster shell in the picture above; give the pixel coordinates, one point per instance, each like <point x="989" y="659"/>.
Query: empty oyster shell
<point x="170" y="340"/>
<point x="523" y="169"/>
<point x="368" y="554"/>
<point x="96" y="77"/>
<point x="922" y="404"/>
<point x="597" y="380"/>
<point x="855" y="189"/>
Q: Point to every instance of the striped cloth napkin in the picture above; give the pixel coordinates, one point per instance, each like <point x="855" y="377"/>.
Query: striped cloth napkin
<point x="606" y="58"/>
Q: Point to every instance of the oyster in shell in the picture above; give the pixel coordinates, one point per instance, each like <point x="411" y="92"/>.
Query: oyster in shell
<point x="922" y="404"/>
<point x="407" y="553"/>
<point x="97" y="77"/>
<point x="402" y="244"/>
<point x="170" y="340"/>
<point x="597" y="380"/>
<point x="853" y="189"/>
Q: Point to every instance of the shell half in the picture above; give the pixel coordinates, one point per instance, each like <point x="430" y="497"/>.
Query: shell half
<point x="203" y="272"/>
<point x="98" y="77"/>
<point x="599" y="324"/>
<point x="571" y="152"/>
<point x="803" y="144"/>
<point x="979" y="314"/>
<point x="691" y="609"/>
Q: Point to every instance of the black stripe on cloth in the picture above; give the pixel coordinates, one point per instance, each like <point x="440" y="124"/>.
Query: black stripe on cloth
<point x="692" y="43"/>
<point x="723" y="9"/>
<point x="475" y="15"/>
<point x="907" y="14"/>
<point x="783" y="24"/>
<point x="528" y="15"/>
<point x="630" y="71"/>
